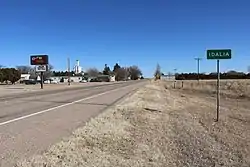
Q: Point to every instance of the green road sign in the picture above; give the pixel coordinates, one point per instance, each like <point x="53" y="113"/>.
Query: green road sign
<point x="219" y="54"/>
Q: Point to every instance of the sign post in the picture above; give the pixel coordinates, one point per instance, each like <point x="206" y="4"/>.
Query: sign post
<point x="218" y="90"/>
<point x="41" y="80"/>
<point x="217" y="55"/>
<point x="42" y="69"/>
<point x="41" y="62"/>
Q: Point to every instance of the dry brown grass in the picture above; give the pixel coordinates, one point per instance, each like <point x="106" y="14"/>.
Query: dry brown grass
<point x="112" y="139"/>
<point x="156" y="127"/>
<point x="232" y="88"/>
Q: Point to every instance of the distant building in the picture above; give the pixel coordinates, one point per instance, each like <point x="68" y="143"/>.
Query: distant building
<point x="25" y="77"/>
<point x="38" y="78"/>
<point x="168" y="77"/>
<point x="72" y="78"/>
<point x="77" y="67"/>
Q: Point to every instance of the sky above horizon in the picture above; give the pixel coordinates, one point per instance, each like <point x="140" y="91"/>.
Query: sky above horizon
<point x="130" y="32"/>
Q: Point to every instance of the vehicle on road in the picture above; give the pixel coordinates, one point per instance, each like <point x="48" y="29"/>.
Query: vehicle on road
<point x="83" y="81"/>
<point x="51" y="81"/>
<point x="95" y="80"/>
<point x="30" y="82"/>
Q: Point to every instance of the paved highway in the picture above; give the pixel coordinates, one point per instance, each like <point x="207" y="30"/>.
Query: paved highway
<point x="31" y="122"/>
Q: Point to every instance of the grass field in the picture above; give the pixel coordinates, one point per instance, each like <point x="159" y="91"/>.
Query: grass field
<point x="231" y="88"/>
<point x="158" y="127"/>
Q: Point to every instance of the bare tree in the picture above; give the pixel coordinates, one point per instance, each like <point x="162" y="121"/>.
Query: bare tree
<point x="25" y="69"/>
<point x="134" y="72"/>
<point x="92" y="72"/>
<point x="49" y="72"/>
<point x="121" y="74"/>
<point x="157" y="72"/>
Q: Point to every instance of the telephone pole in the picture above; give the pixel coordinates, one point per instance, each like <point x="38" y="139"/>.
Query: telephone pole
<point x="198" y="67"/>
<point x="68" y="71"/>
<point x="175" y="72"/>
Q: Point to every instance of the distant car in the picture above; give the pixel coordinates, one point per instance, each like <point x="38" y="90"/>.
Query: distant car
<point x="46" y="81"/>
<point x="95" y="80"/>
<point x="30" y="82"/>
<point x="83" y="81"/>
<point x="51" y="81"/>
<point x="54" y="82"/>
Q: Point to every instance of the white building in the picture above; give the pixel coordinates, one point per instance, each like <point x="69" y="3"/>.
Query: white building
<point x="168" y="77"/>
<point x="72" y="78"/>
<point x="112" y="78"/>
<point x="77" y="67"/>
<point x="25" y="77"/>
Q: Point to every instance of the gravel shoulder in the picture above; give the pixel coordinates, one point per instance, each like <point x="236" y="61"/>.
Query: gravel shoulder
<point x="157" y="127"/>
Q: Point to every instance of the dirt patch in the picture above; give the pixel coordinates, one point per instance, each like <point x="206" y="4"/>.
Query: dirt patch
<point x="157" y="127"/>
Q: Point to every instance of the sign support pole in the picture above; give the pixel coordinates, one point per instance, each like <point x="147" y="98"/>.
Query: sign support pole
<point x="198" y="70"/>
<point x="41" y="80"/>
<point x="218" y="54"/>
<point x="218" y="90"/>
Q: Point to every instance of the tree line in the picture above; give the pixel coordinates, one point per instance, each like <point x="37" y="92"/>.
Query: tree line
<point x="120" y="73"/>
<point x="194" y="76"/>
<point x="9" y="74"/>
<point x="13" y="75"/>
<point x="158" y="73"/>
<point x="226" y="75"/>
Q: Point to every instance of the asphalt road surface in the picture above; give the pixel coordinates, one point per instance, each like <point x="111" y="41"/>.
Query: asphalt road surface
<point x="30" y="123"/>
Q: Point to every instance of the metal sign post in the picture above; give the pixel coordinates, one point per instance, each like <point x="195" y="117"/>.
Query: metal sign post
<point x="41" y="62"/>
<point x="42" y="69"/>
<point x="41" y="80"/>
<point x="218" y="90"/>
<point x="218" y="54"/>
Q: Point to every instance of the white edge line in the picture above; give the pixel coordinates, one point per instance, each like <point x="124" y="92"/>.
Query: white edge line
<point x="57" y="107"/>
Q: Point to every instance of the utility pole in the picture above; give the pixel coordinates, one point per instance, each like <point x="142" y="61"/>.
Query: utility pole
<point x="175" y="77"/>
<point x="126" y="73"/>
<point x="169" y="75"/>
<point x="198" y="67"/>
<point x="68" y="71"/>
<point x="175" y="72"/>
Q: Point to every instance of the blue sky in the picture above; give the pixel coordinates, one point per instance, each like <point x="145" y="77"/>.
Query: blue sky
<point x="131" y="32"/>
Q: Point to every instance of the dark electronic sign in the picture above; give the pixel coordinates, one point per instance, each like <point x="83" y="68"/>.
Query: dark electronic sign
<point x="39" y="60"/>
